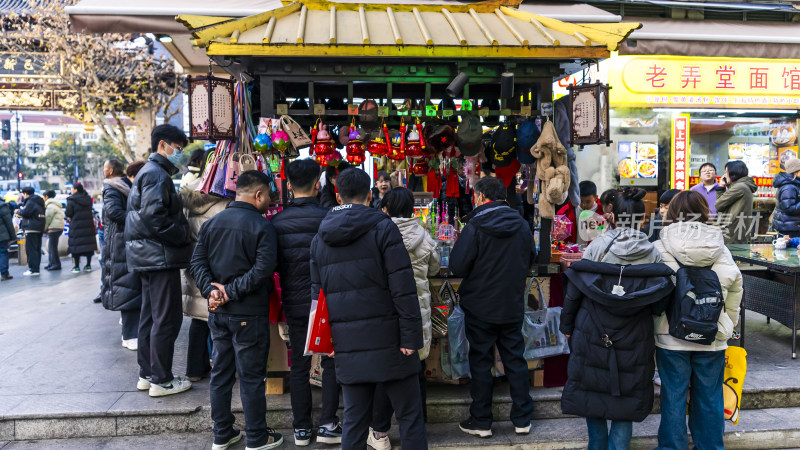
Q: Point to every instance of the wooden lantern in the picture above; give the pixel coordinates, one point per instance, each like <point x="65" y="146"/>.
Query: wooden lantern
<point x="590" y="123"/>
<point x="211" y="108"/>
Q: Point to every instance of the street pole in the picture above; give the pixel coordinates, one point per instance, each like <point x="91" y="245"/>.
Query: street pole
<point x="19" y="161"/>
<point x="75" y="159"/>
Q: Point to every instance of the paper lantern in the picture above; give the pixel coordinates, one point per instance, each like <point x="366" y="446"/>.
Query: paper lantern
<point x="262" y="143"/>
<point x="589" y="114"/>
<point x="211" y="108"/>
<point x="280" y="141"/>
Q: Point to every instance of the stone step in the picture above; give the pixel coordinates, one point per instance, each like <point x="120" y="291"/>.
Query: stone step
<point x="766" y="429"/>
<point x="135" y="413"/>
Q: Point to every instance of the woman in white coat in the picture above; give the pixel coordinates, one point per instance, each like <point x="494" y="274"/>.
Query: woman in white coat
<point x="690" y="241"/>
<point x="425" y="260"/>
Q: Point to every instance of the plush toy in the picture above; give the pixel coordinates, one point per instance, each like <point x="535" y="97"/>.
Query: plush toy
<point x="551" y="170"/>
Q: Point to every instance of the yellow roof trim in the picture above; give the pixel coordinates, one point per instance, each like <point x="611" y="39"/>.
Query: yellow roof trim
<point x="392" y="51"/>
<point x="486" y="6"/>
<point x="193" y="21"/>
<point x="226" y="29"/>
<point x="610" y="36"/>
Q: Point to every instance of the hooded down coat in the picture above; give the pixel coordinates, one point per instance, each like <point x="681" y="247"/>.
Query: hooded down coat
<point x="198" y="208"/>
<point x="82" y="234"/>
<point x="787" y="213"/>
<point x="122" y="290"/>
<point x="699" y="244"/>
<point x="359" y="261"/>
<point x="735" y="210"/>
<point x="426" y="261"/>
<point x="615" y="381"/>
<point x="494" y="255"/>
<point x="53" y="215"/>
<point x="611" y="365"/>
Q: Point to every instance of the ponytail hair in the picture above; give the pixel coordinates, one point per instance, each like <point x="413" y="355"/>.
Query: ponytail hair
<point x="629" y="206"/>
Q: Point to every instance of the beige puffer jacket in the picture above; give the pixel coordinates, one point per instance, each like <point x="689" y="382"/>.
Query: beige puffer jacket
<point x="425" y="260"/>
<point x="198" y="208"/>
<point x="699" y="244"/>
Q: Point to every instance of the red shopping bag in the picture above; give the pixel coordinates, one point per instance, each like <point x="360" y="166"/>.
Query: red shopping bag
<point x="275" y="303"/>
<point x="319" y="338"/>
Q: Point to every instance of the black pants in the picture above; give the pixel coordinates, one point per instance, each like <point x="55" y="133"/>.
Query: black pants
<point x="382" y="408"/>
<point x="404" y="397"/>
<point x="482" y="338"/>
<point x="130" y="323"/>
<point x="33" y="248"/>
<point x="76" y="259"/>
<point x="54" y="260"/>
<point x="241" y="344"/>
<point x="299" y="387"/>
<point x="159" y="323"/>
<point x="197" y="364"/>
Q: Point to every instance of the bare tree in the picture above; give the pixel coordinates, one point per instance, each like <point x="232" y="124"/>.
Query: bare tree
<point x="111" y="75"/>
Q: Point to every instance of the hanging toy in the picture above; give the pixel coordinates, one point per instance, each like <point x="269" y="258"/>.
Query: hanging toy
<point x="262" y="143"/>
<point x="418" y="128"/>
<point x="355" y="145"/>
<point x="414" y="147"/>
<point x="377" y="146"/>
<point x="324" y="144"/>
<point x="280" y="141"/>
<point x="420" y="166"/>
<point x="398" y="144"/>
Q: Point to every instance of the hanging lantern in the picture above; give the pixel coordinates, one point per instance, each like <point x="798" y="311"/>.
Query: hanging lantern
<point x="414" y="146"/>
<point x="262" y="143"/>
<point x="397" y="145"/>
<point x="211" y="108"/>
<point x="420" y="166"/>
<point x="589" y="114"/>
<point x="355" y="145"/>
<point x="323" y="145"/>
<point x="280" y="141"/>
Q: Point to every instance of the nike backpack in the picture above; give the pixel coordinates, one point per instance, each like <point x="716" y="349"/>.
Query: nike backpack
<point x="696" y="306"/>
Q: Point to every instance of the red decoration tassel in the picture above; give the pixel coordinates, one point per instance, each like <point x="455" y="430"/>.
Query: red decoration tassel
<point x="434" y="183"/>
<point x="421" y="139"/>
<point x="452" y="189"/>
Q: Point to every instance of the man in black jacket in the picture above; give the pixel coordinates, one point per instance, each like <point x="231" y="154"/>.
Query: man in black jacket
<point x="297" y="225"/>
<point x="158" y="245"/>
<point x="32" y="214"/>
<point x="233" y="263"/>
<point x="360" y="263"/>
<point x="7" y="233"/>
<point x="494" y="255"/>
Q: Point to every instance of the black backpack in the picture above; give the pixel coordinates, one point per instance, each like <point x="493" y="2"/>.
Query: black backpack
<point x="696" y="306"/>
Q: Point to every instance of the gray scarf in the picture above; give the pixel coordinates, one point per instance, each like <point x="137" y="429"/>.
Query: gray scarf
<point x="119" y="184"/>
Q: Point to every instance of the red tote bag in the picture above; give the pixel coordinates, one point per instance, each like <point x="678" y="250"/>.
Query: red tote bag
<point x="319" y="338"/>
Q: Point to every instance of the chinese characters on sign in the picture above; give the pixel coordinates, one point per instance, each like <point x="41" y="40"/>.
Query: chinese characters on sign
<point x="24" y="65"/>
<point x="680" y="152"/>
<point x="675" y="81"/>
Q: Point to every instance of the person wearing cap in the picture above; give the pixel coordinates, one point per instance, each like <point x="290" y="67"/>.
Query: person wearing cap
<point x="787" y="212"/>
<point x="32" y="214"/>
<point x="708" y="186"/>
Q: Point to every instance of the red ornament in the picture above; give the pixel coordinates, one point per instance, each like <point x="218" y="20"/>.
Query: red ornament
<point x="355" y="146"/>
<point x="420" y="167"/>
<point x="323" y="144"/>
<point x="414" y="146"/>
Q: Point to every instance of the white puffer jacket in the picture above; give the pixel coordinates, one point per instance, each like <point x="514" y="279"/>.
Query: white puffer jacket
<point x="699" y="244"/>
<point x="425" y="260"/>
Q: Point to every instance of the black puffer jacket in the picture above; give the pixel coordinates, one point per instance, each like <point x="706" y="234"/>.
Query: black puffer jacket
<point x="82" y="240"/>
<point x="237" y="248"/>
<point x="358" y="259"/>
<point x="122" y="289"/>
<point x="493" y="255"/>
<point x="157" y="234"/>
<point x="787" y="213"/>
<point x="612" y="381"/>
<point x="32" y="213"/>
<point x="297" y="225"/>
<point x="7" y="232"/>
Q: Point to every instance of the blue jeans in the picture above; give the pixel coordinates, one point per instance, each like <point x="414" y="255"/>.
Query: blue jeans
<point x="4" y="257"/>
<point x="600" y="438"/>
<point x="705" y="371"/>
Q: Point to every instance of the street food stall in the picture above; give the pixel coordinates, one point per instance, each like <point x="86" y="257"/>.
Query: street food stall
<point x="397" y="87"/>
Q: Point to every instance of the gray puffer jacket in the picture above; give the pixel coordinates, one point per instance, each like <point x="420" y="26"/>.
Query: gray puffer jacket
<point x="628" y="247"/>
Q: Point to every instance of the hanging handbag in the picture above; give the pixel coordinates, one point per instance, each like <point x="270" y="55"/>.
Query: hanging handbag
<point x="218" y="185"/>
<point x="208" y="173"/>
<point x="297" y="136"/>
<point x="540" y="328"/>
<point x="232" y="171"/>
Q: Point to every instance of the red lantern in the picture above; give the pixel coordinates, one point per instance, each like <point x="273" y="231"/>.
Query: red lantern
<point x="324" y="145"/>
<point x="355" y="146"/>
<point x="420" y="167"/>
<point x="414" y="145"/>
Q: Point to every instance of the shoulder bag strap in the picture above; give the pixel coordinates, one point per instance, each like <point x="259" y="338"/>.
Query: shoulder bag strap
<point x="605" y="252"/>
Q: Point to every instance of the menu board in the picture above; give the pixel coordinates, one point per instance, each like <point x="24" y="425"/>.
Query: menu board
<point x="755" y="156"/>
<point x="637" y="160"/>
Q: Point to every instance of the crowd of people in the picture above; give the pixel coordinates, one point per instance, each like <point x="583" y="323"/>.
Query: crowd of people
<point x="171" y="252"/>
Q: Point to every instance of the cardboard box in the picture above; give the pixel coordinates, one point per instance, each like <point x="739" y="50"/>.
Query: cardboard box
<point x="537" y="378"/>
<point x="278" y="358"/>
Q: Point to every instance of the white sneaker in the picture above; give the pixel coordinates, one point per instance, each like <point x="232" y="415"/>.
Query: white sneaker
<point x="176" y="386"/>
<point x="131" y="344"/>
<point x="120" y="320"/>
<point x="523" y="430"/>
<point x="28" y="273"/>
<point x="378" y="443"/>
<point x="230" y="442"/>
<point x="143" y="384"/>
<point x="657" y="379"/>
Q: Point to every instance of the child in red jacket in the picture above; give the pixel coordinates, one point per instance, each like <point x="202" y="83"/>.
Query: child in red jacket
<point x="589" y="202"/>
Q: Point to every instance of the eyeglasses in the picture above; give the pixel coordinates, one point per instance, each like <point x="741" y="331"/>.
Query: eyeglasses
<point x="177" y="148"/>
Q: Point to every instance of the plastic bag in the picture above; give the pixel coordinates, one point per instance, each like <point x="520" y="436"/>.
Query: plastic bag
<point x="459" y="347"/>
<point x="319" y="339"/>
<point x="735" y="370"/>
<point x="562" y="228"/>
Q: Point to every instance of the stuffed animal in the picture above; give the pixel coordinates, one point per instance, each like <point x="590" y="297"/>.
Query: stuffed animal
<point x="552" y="170"/>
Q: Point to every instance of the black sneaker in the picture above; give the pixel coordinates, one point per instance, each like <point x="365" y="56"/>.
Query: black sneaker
<point x="470" y="427"/>
<point x="225" y="443"/>
<point x="6" y="277"/>
<point x="326" y="436"/>
<point x="275" y="440"/>
<point x="302" y="436"/>
<point x="88" y="268"/>
<point x="98" y="299"/>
